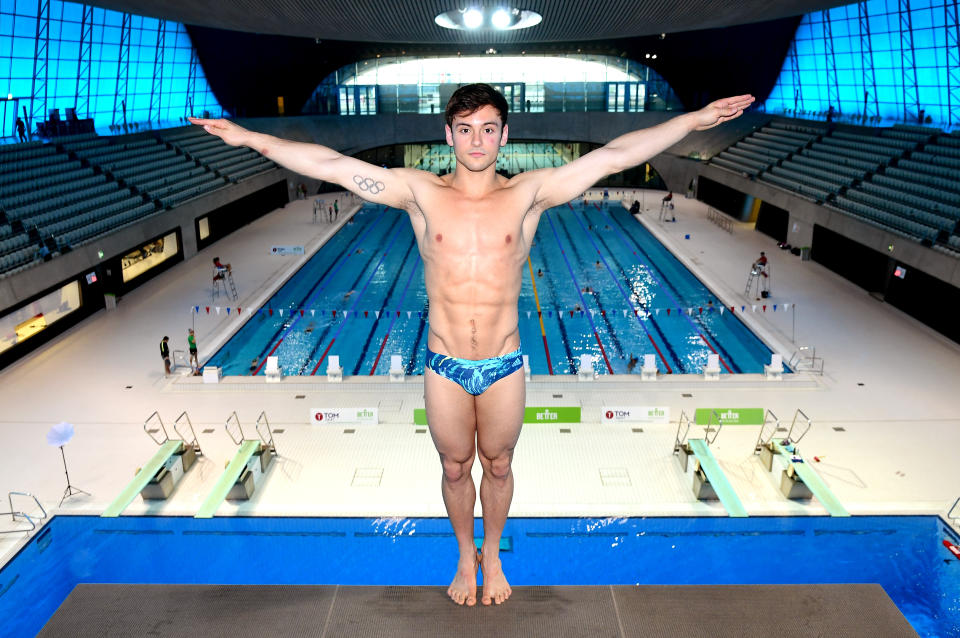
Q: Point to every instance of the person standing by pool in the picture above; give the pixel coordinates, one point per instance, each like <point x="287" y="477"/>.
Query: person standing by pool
<point x="165" y="354"/>
<point x="192" y="345"/>
<point x="474" y="229"/>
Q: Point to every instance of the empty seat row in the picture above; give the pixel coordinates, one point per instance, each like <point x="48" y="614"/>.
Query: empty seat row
<point x="828" y="176"/>
<point x="912" y="228"/>
<point x="804" y="189"/>
<point x="811" y="159"/>
<point x="868" y="140"/>
<point x="793" y="135"/>
<point x="26" y="154"/>
<point x="13" y="243"/>
<point x="259" y="164"/>
<point x="917" y="184"/>
<point x="15" y="168"/>
<point x="911" y="200"/>
<point x="870" y="196"/>
<point x="177" y="198"/>
<point x="946" y="151"/>
<point x="762" y="151"/>
<point x="254" y="170"/>
<point x="51" y="193"/>
<point x="15" y="148"/>
<point x="855" y="149"/>
<point x="822" y="185"/>
<point x="940" y="160"/>
<point x="54" y="178"/>
<point x="731" y="164"/>
<point x="951" y="140"/>
<point x="732" y="155"/>
<point x="17" y="258"/>
<point x="930" y="169"/>
<point x="904" y="135"/>
<point x="801" y="128"/>
<point x="842" y="160"/>
<point x="90" y="192"/>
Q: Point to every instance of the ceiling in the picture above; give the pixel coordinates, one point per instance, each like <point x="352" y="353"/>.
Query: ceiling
<point x="397" y="21"/>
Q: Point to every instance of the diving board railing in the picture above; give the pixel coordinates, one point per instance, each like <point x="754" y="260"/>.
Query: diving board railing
<point x="798" y="479"/>
<point x="709" y="481"/>
<point x="249" y="464"/>
<point x="31" y="520"/>
<point x="156" y="480"/>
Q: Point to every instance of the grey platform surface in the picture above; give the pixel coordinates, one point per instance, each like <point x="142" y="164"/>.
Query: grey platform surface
<point x="688" y="611"/>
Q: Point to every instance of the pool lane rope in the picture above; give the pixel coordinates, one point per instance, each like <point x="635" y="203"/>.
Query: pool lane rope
<point x="626" y="297"/>
<point x="351" y="312"/>
<point x="536" y="298"/>
<point x="393" y="319"/>
<point x="321" y="286"/>
<point x="576" y="283"/>
<point x="660" y="285"/>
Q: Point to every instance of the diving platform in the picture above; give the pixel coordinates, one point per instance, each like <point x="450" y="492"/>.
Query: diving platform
<point x="709" y="480"/>
<point x="798" y="479"/>
<point x="244" y="472"/>
<point x="627" y="611"/>
<point x="159" y="477"/>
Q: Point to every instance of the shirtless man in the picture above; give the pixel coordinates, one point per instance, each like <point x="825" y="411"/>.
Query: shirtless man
<point x="474" y="229"/>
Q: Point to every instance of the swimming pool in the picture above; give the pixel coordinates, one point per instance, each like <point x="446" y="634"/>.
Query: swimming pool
<point x="904" y="554"/>
<point x="597" y="282"/>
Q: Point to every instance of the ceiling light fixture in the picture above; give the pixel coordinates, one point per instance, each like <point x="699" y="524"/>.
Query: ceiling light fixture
<point x="472" y="18"/>
<point x="503" y="18"/>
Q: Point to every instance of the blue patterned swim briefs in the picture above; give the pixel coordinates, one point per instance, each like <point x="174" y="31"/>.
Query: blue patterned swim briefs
<point x="475" y="375"/>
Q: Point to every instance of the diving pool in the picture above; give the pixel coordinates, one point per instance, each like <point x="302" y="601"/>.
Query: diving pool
<point x="904" y="554"/>
<point x="597" y="282"/>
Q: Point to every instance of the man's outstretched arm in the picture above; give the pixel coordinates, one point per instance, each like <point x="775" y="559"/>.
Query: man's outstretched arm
<point x="372" y="183"/>
<point x="560" y="185"/>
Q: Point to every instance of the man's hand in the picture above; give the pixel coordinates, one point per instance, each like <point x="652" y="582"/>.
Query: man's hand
<point x="227" y="131"/>
<point x="721" y="111"/>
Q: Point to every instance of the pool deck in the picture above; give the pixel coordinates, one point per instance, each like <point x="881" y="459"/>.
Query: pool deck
<point x="886" y="431"/>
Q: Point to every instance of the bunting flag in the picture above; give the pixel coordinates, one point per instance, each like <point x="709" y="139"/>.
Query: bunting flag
<point x="528" y="314"/>
<point x="312" y="312"/>
<point x="281" y="312"/>
<point x="743" y="308"/>
<point x="753" y="307"/>
<point x="365" y="314"/>
<point x="377" y="313"/>
<point x="668" y="312"/>
<point x="334" y="313"/>
<point x="700" y="310"/>
<point x="408" y="314"/>
<point x="301" y="312"/>
<point x="208" y="309"/>
<point x="238" y="310"/>
<point x="419" y="315"/>
<point x="228" y="310"/>
<point x="721" y="309"/>
<point x="197" y="309"/>
<point x="774" y="307"/>
<point x="218" y="310"/>
<point x="786" y="306"/>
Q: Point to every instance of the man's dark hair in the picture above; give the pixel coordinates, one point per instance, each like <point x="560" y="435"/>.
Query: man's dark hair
<point x="471" y="97"/>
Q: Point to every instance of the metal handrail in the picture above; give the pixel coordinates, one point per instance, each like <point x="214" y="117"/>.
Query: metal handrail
<point x="805" y="358"/>
<point x="761" y="441"/>
<point x="14" y="515"/>
<point x="680" y="440"/>
<point x="809" y="423"/>
<point x="268" y="440"/>
<point x="194" y="443"/>
<point x="236" y="421"/>
<point x="715" y="432"/>
<point x="146" y="428"/>
<point x="10" y="496"/>
<point x="950" y="513"/>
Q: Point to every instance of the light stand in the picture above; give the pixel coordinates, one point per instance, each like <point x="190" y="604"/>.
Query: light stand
<point x="71" y="490"/>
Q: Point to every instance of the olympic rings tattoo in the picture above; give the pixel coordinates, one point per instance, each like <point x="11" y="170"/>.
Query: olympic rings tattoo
<point x="369" y="185"/>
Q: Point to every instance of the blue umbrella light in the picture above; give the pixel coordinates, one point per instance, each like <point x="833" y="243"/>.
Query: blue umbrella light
<point x="60" y="434"/>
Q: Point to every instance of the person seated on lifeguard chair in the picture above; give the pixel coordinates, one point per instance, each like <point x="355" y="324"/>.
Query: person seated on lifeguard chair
<point x="220" y="269"/>
<point x="760" y="265"/>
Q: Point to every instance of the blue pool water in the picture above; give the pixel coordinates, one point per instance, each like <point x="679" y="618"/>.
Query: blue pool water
<point x="904" y="554"/>
<point x="609" y="289"/>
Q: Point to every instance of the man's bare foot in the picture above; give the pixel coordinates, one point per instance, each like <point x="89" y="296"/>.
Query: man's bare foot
<point x="463" y="589"/>
<point x="496" y="589"/>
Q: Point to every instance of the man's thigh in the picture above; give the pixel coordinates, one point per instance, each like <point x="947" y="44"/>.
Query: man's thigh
<point x="451" y="416"/>
<point x="500" y="415"/>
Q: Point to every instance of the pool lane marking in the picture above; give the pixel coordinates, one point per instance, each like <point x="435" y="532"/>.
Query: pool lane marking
<point x="393" y="319"/>
<point x="576" y="284"/>
<point x="353" y="307"/>
<point x="536" y="298"/>
<point x="318" y="288"/>
<point x="620" y="288"/>
<point x="664" y="289"/>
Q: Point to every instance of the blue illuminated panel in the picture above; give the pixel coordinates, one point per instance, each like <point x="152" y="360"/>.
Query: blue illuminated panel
<point x="18" y="28"/>
<point x="889" y="60"/>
